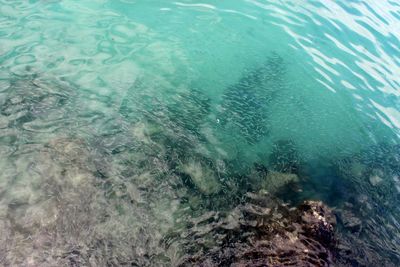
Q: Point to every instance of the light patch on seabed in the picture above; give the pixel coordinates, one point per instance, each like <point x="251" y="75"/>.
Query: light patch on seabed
<point x="202" y="177"/>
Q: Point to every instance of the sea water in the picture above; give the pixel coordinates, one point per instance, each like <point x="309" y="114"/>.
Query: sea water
<point x="120" y="120"/>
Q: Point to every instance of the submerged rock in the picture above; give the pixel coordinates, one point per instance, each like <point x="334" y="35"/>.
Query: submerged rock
<point x="350" y="221"/>
<point x="369" y="215"/>
<point x="260" y="178"/>
<point x="376" y="177"/>
<point x="143" y="131"/>
<point x="357" y="169"/>
<point x="275" y="181"/>
<point x="202" y="177"/>
<point x="263" y="232"/>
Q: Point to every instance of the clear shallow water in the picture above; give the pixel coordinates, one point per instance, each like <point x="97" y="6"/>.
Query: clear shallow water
<point x="120" y="120"/>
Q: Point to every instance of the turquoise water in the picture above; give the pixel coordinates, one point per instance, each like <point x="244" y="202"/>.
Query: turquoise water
<point x="119" y="120"/>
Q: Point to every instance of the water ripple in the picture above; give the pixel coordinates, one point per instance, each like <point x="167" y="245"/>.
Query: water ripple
<point x="112" y="111"/>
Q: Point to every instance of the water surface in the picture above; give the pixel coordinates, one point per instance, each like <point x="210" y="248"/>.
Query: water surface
<point x="122" y="120"/>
